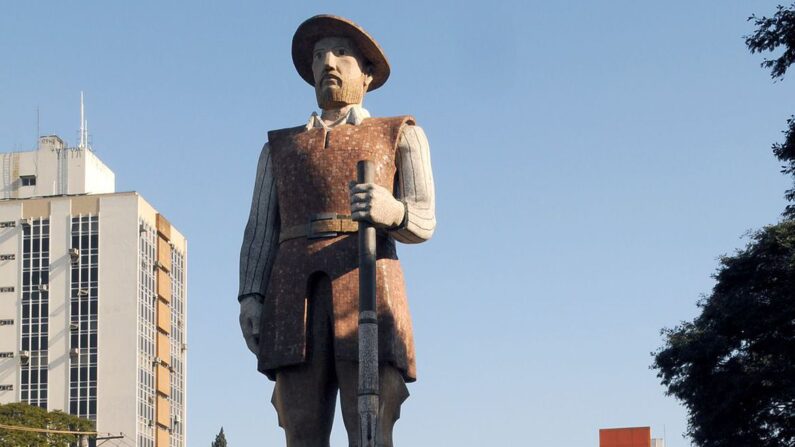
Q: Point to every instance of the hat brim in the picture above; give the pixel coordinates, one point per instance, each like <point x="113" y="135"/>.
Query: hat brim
<point x="320" y="26"/>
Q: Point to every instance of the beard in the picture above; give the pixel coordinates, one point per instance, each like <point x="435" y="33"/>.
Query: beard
<point x="350" y="91"/>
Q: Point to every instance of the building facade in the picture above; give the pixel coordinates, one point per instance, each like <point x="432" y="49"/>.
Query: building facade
<point x="628" y="437"/>
<point x="93" y="297"/>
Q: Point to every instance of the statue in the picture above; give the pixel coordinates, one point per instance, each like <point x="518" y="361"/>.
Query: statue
<point x="298" y="262"/>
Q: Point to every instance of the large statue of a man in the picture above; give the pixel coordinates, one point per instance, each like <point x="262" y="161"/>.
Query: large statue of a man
<point x="299" y="263"/>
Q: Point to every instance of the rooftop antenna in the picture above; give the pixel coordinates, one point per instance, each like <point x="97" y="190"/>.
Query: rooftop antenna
<point x="82" y="142"/>
<point x="83" y="127"/>
<point x="38" y="132"/>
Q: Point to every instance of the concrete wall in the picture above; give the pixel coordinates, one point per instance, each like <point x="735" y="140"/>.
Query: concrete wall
<point x="10" y="243"/>
<point x="59" y="298"/>
<point x="118" y="313"/>
<point x="58" y="170"/>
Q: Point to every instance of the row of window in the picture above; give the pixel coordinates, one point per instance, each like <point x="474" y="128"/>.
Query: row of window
<point x="35" y="311"/>
<point x="83" y="317"/>
<point x="146" y="331"/>
<point x="178" y="337"/>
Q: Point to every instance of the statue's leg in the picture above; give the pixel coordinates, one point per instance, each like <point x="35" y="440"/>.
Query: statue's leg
<point x="392" y="394"/>
<point x="305" y="395"/>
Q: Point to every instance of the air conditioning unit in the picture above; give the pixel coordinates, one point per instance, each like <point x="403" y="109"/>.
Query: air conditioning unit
<point x="74" y="326"/>
<point x="24" y="357"/>
<point x="141" y="228"/>
<point x="25" y="222"/>
<point x="156" y="361"/>
<point x="74" y="253"/>
<point x="44" y="287"/>
<point x="82" y="292"/>
<point x="177" y="419"/>
<point x="74" y="353"/>
<point x="184" y="347"/>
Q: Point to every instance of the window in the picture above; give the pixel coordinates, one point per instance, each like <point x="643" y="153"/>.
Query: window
<point x="27" y="180"/>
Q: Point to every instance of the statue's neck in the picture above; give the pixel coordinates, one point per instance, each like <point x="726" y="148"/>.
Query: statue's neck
<point x="330" y="116"/>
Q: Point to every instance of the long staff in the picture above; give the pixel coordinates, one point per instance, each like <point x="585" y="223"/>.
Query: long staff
<point x="368" y="323"/>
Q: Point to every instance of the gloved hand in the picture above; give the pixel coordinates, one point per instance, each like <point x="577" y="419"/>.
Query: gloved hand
<point x="376" y="204"/>
<point x="250" y="313"/>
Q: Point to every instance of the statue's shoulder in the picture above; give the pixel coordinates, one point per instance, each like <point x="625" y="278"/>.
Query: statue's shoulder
<point x="275" y="135"/>
<point x="391" y="126"/>
<point x="391" y="121"/>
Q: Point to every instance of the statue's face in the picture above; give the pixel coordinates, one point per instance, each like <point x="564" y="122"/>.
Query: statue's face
<point x="340" y="72"/>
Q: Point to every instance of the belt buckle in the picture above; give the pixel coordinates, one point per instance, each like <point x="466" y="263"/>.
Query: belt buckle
<point x="310" y="232"/>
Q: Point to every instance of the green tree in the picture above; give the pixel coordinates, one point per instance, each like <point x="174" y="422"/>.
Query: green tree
<point x="220" y="439"/>
<point x="733" y="366"/>
<point x="773" y="34"/>
<point x="24" y="415"/>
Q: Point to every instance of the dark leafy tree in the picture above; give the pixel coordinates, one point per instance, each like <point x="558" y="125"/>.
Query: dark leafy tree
<point x="786" y="154"/>
<point x="24" y="415"/>
<point x="772" y="34"/>
<point x="733" y="367"/>
<point x="220" y="439"/>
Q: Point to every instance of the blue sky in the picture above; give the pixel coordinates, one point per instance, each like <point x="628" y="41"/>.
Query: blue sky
<point x="592" y="161"/>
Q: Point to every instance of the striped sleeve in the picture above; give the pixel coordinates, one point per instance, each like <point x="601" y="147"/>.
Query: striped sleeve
<point x="415" y="187"/>
<point x="261" y="237"/>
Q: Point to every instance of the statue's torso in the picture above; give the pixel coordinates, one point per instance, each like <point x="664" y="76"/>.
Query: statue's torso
<point x="312" y="169"/>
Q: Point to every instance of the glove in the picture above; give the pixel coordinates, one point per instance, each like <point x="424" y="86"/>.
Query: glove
<point x="376" y="204"/>
<point x="250" y="313"/>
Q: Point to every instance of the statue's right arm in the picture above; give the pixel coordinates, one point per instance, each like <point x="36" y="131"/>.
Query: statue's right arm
<point x="260" y="242"/>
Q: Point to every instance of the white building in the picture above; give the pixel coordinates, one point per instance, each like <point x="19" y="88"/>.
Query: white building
<point x="92" y="297"/>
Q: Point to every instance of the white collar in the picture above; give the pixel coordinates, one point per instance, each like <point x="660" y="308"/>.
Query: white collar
<point x="355" y="116"/>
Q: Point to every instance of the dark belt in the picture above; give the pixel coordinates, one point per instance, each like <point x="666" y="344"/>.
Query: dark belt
<point x="320" y="225"/>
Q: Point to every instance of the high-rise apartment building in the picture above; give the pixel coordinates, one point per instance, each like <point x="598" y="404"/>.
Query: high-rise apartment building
<point x="92" y="297"/>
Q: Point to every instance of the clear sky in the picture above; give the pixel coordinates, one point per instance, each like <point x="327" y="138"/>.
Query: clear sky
<point x="592" y="161"/>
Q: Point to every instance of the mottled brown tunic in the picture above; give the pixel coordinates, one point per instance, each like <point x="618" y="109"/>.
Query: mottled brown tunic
<point x="312" y="169"/>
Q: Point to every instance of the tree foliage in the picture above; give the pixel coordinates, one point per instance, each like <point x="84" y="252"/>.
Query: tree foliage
<point x="786" y="154"/>
<point x="220" y="439"/>
<point x="24" y="415"/>
<point x="773" y="33"/>
<point x="733" y="367"/>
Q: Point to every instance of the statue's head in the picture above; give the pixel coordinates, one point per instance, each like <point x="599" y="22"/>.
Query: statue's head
<point x="339" y="59"/>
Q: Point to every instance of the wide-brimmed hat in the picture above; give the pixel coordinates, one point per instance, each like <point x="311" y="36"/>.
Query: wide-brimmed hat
<point x="320" y="26"/>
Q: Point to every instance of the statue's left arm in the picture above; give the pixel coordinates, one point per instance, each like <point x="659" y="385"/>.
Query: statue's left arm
<point x="414" y="187"/>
